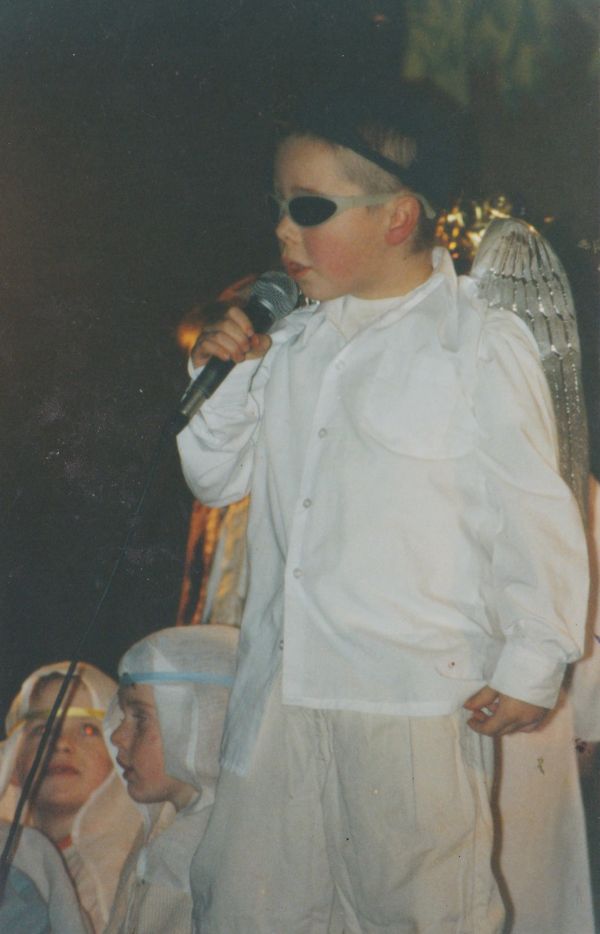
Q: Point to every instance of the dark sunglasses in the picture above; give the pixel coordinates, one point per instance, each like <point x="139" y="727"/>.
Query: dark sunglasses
<point x="312" y="210"/>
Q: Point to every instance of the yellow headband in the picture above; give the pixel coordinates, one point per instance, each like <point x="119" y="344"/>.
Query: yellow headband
<point x="91" y="713"/>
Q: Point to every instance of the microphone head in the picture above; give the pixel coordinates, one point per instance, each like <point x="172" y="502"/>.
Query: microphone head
<point x="276" y="292"/>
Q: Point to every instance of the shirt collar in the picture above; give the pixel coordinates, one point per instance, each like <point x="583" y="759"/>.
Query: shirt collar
<point x="349" y="314"/>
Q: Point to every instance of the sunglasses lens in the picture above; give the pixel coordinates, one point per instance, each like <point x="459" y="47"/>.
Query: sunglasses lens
<point x="310" y="210"/>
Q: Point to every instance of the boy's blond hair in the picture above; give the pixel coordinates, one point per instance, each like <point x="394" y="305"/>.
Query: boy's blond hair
<point x="373" y="179"/>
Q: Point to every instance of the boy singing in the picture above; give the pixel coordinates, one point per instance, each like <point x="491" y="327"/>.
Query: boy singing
<point x="418" y="570"/>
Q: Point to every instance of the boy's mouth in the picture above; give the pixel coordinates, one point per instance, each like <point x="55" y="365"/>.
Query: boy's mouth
<point x="62" y="769"/>
<point x="294" y="269"/>
<point x="127" y="770"/>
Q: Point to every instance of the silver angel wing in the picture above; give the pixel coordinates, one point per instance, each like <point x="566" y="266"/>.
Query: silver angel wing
<point x="518" y="270"/>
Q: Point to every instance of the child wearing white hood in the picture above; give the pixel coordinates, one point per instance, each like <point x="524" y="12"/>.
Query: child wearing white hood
<point x="80" y="803"/>
<point x="173" y="692"/>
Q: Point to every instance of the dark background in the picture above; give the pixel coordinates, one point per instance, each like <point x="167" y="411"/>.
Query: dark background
<point x="134" y="138"/>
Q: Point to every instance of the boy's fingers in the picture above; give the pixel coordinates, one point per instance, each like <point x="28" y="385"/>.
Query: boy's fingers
<point x="259" y="344"/>
<point x="485" y="717"/>
<point x="240" y="319"/>
<point x="226" y="339"/>
<point x="486" y="727"/>
<point x="503" y="715"/>
<point x="238" y="328"/>
<point x="494" y="725"/>
<point x="215" y="344"/>
<point x="229" y="343"/>
<point x="230" y="338"/>
<point x="223" y="345"/>
<point x="484" y="696"/>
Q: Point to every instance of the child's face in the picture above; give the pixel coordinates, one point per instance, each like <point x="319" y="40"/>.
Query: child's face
<point x="342" y="256"/>
<point x="79" y="762"/>
<point x="140" y="750"/>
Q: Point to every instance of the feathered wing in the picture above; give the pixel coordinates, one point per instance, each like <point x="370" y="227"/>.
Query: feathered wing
<point x="518" y="270"/>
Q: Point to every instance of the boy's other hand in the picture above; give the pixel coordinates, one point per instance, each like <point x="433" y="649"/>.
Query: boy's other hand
<point x="498" y="714"/>
<point x="232" y="337"/>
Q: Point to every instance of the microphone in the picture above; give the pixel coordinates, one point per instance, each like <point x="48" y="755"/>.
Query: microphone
<point x="274" y="295"/>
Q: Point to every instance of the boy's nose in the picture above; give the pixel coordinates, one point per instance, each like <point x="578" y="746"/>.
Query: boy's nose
<point x="64" y="739"/>
<point x="286" y="230"/>
<point x="116" y="737"/>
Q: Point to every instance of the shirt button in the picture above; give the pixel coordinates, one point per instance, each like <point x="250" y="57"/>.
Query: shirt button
<point x="281" y="644"/>
<point x="297" y="572"/>
<point x="307" y="503"/>
<point x="322" y="432"/>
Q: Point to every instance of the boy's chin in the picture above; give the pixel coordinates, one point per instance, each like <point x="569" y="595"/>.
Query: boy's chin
<point x="146" y="800"/>
<point x="322" y="294"/>
<point x="143" y="795"/>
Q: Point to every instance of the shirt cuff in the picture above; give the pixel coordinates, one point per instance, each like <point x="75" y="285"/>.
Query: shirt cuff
<point x="527" y="675"/>
<point x="194" y="371"/>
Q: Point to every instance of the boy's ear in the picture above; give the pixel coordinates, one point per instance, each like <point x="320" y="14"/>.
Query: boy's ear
<point x="403" y="219"/>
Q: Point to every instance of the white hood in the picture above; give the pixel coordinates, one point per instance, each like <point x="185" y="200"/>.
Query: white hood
<point x="108" y="822"/>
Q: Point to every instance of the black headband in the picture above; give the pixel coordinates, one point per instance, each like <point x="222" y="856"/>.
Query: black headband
<point x="353" y="141"/>
<point x="413" y="112"/>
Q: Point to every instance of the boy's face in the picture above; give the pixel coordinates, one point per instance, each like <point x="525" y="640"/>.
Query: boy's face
<point x="342" y="256"/>
<point x="140" y="750"/>
<point x="79" y="762"/>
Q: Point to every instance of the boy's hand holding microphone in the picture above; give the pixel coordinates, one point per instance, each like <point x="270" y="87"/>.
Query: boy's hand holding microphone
<point x="230" y="337"/>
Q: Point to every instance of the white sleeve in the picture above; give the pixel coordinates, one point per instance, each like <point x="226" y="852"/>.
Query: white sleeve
<point x="539" y="565"/>
<point x="217" y="447"/>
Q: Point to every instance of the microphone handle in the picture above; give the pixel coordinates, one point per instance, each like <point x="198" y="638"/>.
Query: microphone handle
<point x="213" y="375"/>
<point x="201" y="389"/>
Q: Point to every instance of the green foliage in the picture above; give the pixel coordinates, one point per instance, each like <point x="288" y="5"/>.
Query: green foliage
<point x="510" y="42"/>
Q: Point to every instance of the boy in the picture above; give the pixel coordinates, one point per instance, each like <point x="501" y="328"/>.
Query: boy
<point x="79" y="802"/>
<point x="412" y="549"/>
<point x="174" y="686"/>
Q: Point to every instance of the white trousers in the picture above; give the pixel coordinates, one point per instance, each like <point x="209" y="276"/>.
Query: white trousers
<point x="352" y="822"/>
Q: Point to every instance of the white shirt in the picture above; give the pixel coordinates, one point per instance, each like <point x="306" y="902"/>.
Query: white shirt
<point x="410" y="538"/>
<point x="154" y="894"/>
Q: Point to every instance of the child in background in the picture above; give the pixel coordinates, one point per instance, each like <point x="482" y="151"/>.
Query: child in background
<point x="39" y="897"/>
<point x="418" y="567"/>
<point x="173" y="693"/>
<point x="80" y="803"/>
